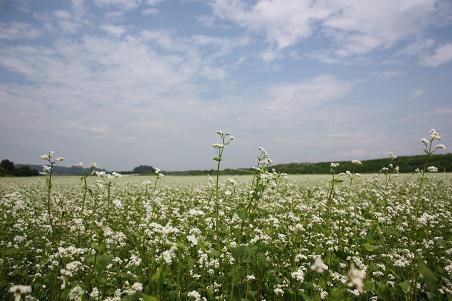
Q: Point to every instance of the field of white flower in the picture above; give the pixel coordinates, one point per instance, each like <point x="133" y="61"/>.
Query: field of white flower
<point x="267" y="237"/>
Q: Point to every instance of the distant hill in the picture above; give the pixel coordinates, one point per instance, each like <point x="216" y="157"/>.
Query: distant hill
<point x="406" y="163"/>
<point x="61" y="170"/>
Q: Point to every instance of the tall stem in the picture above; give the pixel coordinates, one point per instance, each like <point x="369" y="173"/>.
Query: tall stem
<point x="49" y="198"/>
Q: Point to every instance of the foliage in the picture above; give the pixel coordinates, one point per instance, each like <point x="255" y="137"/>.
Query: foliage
<point x="7" y="168"/>
<point x="144" y="169"/>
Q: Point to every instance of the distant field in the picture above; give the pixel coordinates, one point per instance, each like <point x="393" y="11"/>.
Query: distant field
<point x="204" y="180"/>
<point x="305" y="237"/>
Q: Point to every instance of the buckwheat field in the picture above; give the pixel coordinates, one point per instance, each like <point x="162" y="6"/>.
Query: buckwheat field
<point x="264" y="237"/>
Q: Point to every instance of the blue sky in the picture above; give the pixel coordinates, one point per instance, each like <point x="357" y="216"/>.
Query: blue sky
<point x="130" y="82"/>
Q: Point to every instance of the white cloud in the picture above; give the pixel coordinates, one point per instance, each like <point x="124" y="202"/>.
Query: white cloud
<point x="354" y="27"/>
<point x="417" y="47"/>
<point x="18" y="30"/>
<point x="389" y="74"/>
<point x="211" y="73"/>
<point x="283" y="21"/>
<point x="126" y="4"/>
<point x="150" y="11"/>
<point x="416" y="94"/>
<point x="307" y="95"/>
<point x="62" y="14"/>
<point x="269" y="55"/>
<point x="114" y="30"/>
<point x="223" y="45"/>
<point x="441" y="55"/>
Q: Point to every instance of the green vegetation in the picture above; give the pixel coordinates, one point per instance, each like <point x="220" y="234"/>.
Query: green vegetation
<point x="7" y="168"/>
<point x="407" y="164"/>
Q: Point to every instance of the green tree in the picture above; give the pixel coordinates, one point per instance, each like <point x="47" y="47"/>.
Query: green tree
<point x="8" y="166"/>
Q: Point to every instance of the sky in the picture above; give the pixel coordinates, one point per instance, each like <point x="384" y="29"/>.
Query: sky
<point x="130" y="82"/>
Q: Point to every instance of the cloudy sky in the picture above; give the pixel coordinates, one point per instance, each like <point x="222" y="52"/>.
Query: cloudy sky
<point x="129" y="82"/>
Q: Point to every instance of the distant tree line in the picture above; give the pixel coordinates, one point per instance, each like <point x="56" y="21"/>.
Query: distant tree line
<point x="142" y="170"/>
<point x="406" y="164"/>
<point x="7" y="168"/>
<point x="227" y="171"/>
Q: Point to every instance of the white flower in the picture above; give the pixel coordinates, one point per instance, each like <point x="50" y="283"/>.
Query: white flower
<point x="168" y="255"/>
<point x="135" y="288"/>
<point x="76" y="293"/>
<point x="432" y="169"/>
<point x="323" y="295"/>
<point x="298" y="275"/>
<point x="357" y="162"/>
<point x="231" y="182"/>
<point x="48" y="156"/>
<point x="434" y="134"/>
<point x="250" y="277"/>
<point x="425" y="141"/>
<point x="59" y="159"/>
<point x="318" y="266"/>
<point x="195" y="295"/>
<point x="116" y="175"/>
<point x="19" y="290"/>
<point x="334" y="165"/>
<point x="101" y="173"/>
<point x="392" y="155"/>
<point x="228" y="139"/>
<point x="118" y="204"/>
<point x="440" y="146"/>
<point x="356" y="278"/>
<point x="279" y="291"/>
<point x="192" y="239"/>
<point x="94" y="293"/>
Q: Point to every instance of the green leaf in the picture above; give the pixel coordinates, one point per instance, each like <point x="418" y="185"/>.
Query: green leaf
<point x="405" y="285"/>
<point x="149" y="298"/>
<point x="157" y="275"/>
<point x="429" y="276"/>
<point x="241" y="213"/>
<point x="102" y="262"/>
<point x="262" y="261"/>
<point x="90" y="259"/>
<point x="369" y="247"/>
<point x="369" y="286"/>
<point x="99" y="247"/>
